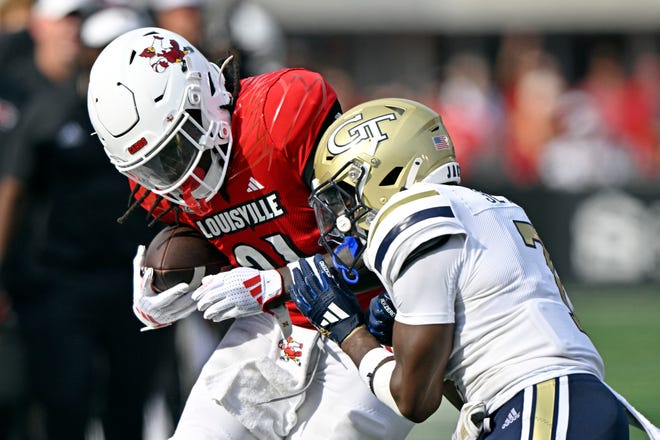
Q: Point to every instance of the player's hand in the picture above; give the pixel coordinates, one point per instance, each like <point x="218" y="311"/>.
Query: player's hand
<point x="156" y="310"/>
<point x="327" y="303"/>
<point x="242" y="291"/>
<point x="379" y="317"/>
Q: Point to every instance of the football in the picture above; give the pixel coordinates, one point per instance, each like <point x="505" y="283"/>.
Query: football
<point x="180" y="254"/>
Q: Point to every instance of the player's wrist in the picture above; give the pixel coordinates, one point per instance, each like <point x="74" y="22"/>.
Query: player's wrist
<point x="340" y="331"/>
<point x="271" y="280"/>
<point x="353" y="333"/>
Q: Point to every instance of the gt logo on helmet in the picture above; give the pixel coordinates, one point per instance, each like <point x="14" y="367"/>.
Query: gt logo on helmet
<point x="368" y="129"/>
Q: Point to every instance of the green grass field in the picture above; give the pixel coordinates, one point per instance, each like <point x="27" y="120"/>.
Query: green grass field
<point x="624" y="324"/>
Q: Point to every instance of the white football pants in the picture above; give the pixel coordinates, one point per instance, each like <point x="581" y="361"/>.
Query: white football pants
<point x="337" y="405"/>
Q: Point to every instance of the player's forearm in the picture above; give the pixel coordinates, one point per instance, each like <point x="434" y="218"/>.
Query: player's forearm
<point x="375" y="364"/>
<point x="358" y="344"/>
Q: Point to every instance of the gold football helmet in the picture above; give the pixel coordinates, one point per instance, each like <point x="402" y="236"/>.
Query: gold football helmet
<point x="368" y="154"/>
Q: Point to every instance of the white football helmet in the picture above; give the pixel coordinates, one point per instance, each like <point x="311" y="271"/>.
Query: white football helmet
<point x="159" y="108"/>
<point x="370" y="153"/>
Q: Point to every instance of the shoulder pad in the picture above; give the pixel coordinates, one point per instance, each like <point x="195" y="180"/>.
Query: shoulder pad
<point x="407" y="221"/>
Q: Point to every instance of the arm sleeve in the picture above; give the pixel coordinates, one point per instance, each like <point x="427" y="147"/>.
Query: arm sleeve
<point x="425" y="291"/>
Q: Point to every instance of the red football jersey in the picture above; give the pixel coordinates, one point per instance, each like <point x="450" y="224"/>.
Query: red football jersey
<point x="261" y="217"/>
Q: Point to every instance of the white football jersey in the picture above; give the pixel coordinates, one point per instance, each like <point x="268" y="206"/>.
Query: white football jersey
<point x="514" y="324"/>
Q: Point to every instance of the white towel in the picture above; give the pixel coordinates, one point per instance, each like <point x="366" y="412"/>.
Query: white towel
<point x="260" y="377"/>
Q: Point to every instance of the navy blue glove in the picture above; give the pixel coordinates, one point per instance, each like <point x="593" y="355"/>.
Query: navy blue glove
<point x="379" y="318"/>
<point x="327" y="303"/>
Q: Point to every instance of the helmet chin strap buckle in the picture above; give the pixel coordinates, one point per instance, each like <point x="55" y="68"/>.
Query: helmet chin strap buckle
<point x="198" y="206"/>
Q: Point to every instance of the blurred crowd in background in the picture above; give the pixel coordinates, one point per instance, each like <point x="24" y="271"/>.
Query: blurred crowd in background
<point x="571" y="113"/>
<point x="524" y="114"/>
<point x="520" y="107"/>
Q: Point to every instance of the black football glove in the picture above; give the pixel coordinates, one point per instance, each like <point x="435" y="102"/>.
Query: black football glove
<point x="379" y="318"/>
<point x="327" y="303"/>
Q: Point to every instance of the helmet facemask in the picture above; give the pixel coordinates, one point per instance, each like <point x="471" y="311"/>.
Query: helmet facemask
<point x="190" y="165"/>
<point x="341" y="215"/>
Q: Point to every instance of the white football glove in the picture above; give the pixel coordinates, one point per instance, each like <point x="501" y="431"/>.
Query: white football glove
<point x="156" y="310"/>
<point x="242" y="291"/>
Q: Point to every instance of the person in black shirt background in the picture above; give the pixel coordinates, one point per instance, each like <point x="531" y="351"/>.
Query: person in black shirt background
<point x="66" y="262"/>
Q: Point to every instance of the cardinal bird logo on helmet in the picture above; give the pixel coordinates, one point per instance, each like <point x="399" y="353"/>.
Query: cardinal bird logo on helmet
<point x="162" y="55"/>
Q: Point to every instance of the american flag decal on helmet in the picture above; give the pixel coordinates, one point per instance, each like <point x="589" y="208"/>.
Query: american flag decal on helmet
<point x="441" y="142"/>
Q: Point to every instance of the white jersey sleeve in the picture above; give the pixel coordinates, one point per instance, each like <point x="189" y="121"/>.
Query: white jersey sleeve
<point x="410" y="219"/>
<point x="426" y="296"/>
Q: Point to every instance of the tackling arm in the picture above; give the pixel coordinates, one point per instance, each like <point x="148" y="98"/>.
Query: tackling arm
<point x="422" y="352"/>
<point x="410" y="381"/>
<point x="417" y="372"/>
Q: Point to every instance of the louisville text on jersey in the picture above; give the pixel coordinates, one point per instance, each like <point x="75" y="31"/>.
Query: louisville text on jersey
<point x="238" y="218"/>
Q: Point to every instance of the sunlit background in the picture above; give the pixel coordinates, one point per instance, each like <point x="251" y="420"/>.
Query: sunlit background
<point x="555" y="105"/>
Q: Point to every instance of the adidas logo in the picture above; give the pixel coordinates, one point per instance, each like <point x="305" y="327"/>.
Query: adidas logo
<point x="333" y="314"/>
<point x="253" y="185"/>
<point x="253" y="285"/>
<point x="512" y="417"/>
